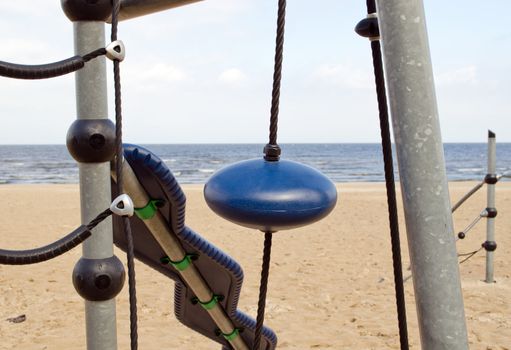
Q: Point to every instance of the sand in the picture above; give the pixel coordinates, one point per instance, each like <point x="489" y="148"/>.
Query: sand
<point x="331" y="284"/>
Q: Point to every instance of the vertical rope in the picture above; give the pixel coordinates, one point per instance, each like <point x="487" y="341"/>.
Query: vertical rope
<point x="391" y="196"/>
<point x="263" y="287"/>
<point x="272" y="149"/>
<point x="390" y="185"/>
<point x="277" y="72"/>
<point x="371" y="6"/>
<point x="118" y="170"/>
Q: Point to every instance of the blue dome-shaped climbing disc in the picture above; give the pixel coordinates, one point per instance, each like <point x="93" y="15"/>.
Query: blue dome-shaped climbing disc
<point x="270" y="195"/>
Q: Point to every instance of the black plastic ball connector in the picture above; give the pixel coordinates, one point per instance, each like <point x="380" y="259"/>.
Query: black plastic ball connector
<point x="91" y="140"/>
<point x="489" y="246"/>
<point x="491" y="213"/>
<point x="87" y="10"/>
<point x="491" y="179"/>
<point x="50" y="251"/>
<point x="461" y="235"/>
<point x="368" y="27"/>
<point x="98" y="279"/>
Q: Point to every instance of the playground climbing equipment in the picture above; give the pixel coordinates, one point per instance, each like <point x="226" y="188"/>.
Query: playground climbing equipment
<point x="208" y="282"/>
<point x="152" y="204"/>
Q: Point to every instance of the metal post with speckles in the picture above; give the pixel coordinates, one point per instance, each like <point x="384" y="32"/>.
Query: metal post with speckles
<point x="422" y="174"/>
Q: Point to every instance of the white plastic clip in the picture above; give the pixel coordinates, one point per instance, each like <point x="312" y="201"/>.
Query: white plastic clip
<point x="116" y="50"/>
<point x="123" y="206"/>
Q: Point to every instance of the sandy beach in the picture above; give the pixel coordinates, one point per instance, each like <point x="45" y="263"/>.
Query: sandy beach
<point x="331" y="284"/>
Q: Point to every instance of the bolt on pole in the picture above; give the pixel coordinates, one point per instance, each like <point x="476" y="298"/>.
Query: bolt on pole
<point x="422" y="174"/>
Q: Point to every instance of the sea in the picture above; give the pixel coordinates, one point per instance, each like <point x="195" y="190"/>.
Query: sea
<point x="195" y="163"/>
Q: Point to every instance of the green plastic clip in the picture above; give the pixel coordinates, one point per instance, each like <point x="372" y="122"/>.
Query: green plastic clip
<point x="232" y="335"/>
<point x="180" y="265"/>
<point x="212" y="303"/>
<point x="149" y="210"/>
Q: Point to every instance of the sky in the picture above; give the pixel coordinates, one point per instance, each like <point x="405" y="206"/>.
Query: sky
<point x="202" y="73"/>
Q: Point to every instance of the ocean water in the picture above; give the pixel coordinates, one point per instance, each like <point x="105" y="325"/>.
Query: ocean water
<point x="195" y="163"/>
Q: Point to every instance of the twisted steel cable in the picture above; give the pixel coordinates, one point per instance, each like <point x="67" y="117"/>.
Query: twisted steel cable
<point x="390" y="184"/>
<point x="272" y="153"/>
<point x="119" y="173"/>
<point x="263" y="288"/>
<point x="272" y="150"/>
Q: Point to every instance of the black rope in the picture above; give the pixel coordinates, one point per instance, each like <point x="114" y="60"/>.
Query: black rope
<point x="272" y="150"/>
<point x="52" y="250"/>
<point x="263" y="287"/>
<point x="119" y="173"/>
<point x="469" y="255"/>
<point x="390" y="185"/>
<point x="277" y="72"/>
<point x="98" y="219"/>
<point x="94" y="54"/>
<point x="272" y="153"/>
<point x="371" y="6"/>
<point x="49" y="70"/>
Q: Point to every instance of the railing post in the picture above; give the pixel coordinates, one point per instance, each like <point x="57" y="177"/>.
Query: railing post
<point x="98" y="276"/>
<point x="423" y="179"/>
<point x="491" y="179"/>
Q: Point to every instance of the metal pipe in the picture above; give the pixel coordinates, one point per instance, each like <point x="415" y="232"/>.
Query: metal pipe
<point x="91" y="103"/>
<point x="424" y="187"/>
<point x="136" y="8"/>
<point x="467" y="196"/>
<point x="474" y="222"/>
<point x="490" y="194"/>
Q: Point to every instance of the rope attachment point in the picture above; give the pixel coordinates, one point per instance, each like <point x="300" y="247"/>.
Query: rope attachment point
<point x="489" y="246"/>
<point x="122" y="206"/>
<point x="368" y="27"/>
<point x="272" y="152"/>
<point x="116" y="51"/>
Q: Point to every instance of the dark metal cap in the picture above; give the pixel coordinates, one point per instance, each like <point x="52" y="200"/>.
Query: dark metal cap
<point x="272" y="152"/>
<point x="87" y="10"/>
<point x="368" y="28"/>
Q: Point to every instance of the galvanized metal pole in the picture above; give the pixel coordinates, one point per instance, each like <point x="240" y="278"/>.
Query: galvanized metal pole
<point x="95" y="195"/>
<point x="490" y="206"/>
<point x="422" y="175"/>
<point x="136" y="8"/>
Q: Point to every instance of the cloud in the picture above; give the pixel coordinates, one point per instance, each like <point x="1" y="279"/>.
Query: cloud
<point x="463" y="75"/>
<point x="155" y="73"/>
<point x="344" y="75"/>
<point x="232" y="76"/>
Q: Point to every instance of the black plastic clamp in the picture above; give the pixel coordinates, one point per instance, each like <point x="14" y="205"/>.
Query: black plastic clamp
<point x="91" y="140"/>
<point x="87" y="10"/>
<point x="272" y="152"/>
<point x="116" y="51"/>
<point x="491" y="213"/>
<point x="491" y="179"/>
<point x="98" y="279"/>
<point x="489" y="246"/>
<point x="368" y="27"/>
